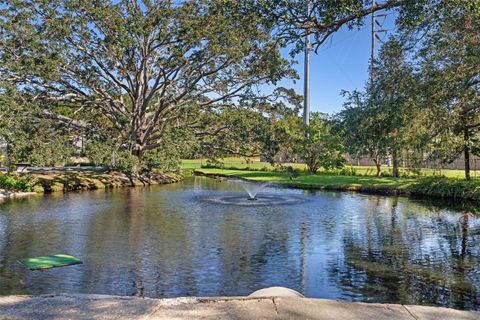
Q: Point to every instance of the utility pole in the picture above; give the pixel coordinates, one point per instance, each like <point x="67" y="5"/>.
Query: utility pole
<point x="306" y="74"/>
<point x="373" y="44"/>
<point x="375" y="37"/>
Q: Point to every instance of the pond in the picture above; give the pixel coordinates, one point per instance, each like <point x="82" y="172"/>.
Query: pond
<point x="172" y="240"/>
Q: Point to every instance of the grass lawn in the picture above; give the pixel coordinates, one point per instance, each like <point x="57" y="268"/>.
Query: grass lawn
<point x="428" y="183"/>
<point x="440" y="187"/>
<point x="315" y="181"/>
<point x="256" y="164"/>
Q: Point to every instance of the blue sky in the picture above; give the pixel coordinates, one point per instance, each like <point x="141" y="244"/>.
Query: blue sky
<point x="341" y="64"/>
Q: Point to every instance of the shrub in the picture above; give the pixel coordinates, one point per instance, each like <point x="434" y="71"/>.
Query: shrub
<point x="213" y="163"/>
<point x="447" y="188"/>
<point x="348" y="171"/>
<point x="12" y="182"/>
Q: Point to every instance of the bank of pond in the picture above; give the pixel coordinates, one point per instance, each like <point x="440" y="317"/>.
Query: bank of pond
<point x="203" y="237"/>
<point x="437" y="187"/>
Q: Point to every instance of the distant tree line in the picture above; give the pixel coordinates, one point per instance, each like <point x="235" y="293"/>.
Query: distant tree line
<point x="424" y="99"/>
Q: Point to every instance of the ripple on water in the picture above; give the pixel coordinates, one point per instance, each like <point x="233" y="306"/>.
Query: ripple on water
<point x="243" y="200"/>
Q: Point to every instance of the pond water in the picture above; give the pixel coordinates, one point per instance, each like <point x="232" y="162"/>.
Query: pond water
<point x="173" y="240"/>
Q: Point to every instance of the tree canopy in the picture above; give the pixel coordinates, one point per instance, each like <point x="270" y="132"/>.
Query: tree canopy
<point x="145" y="83"/>
<point x="139" y="63"/>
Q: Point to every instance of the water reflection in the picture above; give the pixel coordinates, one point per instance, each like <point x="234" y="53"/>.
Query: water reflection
<point x="164" y="241"/>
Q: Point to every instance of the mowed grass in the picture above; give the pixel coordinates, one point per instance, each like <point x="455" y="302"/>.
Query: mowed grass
<point x="314" y="180"/>
<point x="255" y="164"/>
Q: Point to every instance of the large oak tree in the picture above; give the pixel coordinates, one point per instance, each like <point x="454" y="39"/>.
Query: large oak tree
<point x="138" y="62"/>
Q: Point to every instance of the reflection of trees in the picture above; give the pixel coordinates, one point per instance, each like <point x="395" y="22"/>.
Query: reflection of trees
<point x="406" y="255"/>
<point x="29" y="230"/>
<point x="6" y="243"/>
<point x="136" y="238"/>
<point x="136" y="246"/>
<point x="46" y="225"/>
<point x="365" y="271"/>
<point x="255" y="255"/>
<point x="185" y="251"/>
<point x="303" y="254"/>
<point x="158" y="243"/>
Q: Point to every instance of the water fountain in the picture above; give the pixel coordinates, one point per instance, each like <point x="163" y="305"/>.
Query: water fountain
<point x="252" y="188"/>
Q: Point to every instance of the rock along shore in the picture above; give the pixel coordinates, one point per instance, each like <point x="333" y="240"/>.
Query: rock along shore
<point x="4" y="194"/>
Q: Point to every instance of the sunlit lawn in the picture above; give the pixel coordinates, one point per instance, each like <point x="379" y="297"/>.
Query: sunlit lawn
<point x="256" y="164"/>
<point x="318" y="180"/>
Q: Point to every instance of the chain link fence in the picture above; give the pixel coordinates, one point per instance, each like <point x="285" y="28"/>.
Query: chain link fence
<point x="458" y="164"/>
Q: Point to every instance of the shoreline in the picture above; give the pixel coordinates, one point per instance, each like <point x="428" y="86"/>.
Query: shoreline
<point x="13" y="194"/>
<point x="378" y="190"/>
<point x="363" y="189"/>
<point x="60" y="181"/>
<point x="55" y="181"/>
<point x="91" y="306"/>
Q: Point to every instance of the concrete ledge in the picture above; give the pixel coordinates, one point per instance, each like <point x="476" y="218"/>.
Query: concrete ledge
<point x="276" y="292"/>
<point x="114" y="307"/>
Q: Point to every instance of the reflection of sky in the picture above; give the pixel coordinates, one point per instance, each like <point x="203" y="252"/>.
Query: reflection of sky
<point x="165" y="241"/>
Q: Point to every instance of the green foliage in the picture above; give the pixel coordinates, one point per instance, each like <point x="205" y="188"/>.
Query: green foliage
<point x="383" y="121"/>
<point x="54" y="153"/>
<point x="230" y="130"/>
<point x="450" y="64"/>
<point x="71" y="69"/>
<point x="127" y="163"/>
<point x="11" y="182"/>
<point x="323" y="18"/>
<point x="447" y="188"/>
<point x="137" y="66"/>
<point x="318" y="145"/>
<point x="100" y="153"/>
<point x="166" y="158"/>
<point x="345" y="171"/>
<point x="423" y="104"/>
<point x="30" y="135"/>
<point x="429" y="186"/>
<point x="156" y="160"/>
<point x="361" y="129"/>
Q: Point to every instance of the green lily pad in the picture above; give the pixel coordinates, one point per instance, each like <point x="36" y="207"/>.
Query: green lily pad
<point x="47" y="262"/>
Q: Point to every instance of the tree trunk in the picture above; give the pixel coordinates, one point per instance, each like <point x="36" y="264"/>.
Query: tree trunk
<point x="395" y="163"/>
<point x="312" y="169"/>
<point x="312" y="166"/>
<point x="466" y="151"/>
<point x="376" y="160"/>
<point x="137" y="151"/>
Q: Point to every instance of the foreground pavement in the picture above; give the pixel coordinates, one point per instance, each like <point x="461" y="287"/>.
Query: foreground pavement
<point x="112" y="307"/>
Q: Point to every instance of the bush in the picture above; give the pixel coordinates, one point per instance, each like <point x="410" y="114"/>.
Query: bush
<point x="348" y="171"/>
<point x="213" y="164"/>
<point x="126" y="163"/>
<point x="447" y="188"/>
<point x="157" y="161"/>
<point x="11" y="182"/>
<point x="387" y="173"/>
